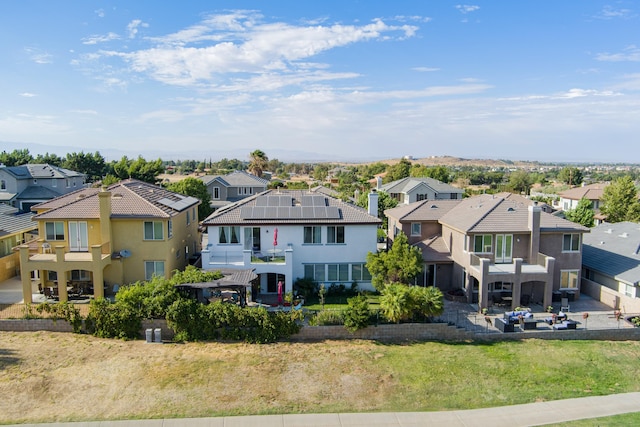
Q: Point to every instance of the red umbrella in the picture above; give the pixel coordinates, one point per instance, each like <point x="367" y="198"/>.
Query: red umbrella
<point x="275" y="236"/>
<point x="280" y="292"/>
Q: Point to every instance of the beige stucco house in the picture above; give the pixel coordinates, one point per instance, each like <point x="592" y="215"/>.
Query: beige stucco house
<point x="98" y="238"/>
<point x="497" y="248"/>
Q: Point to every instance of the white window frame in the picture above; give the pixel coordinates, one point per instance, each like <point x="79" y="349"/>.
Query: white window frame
<point x="231" y="235"/>
<point x="338" y="273"/>
<point x="567" y="277"/>
<point x="56" y="233"/>
<point x="156" y="266"/>
<point x="359" y="273"/>
<point x="486" y="248"/>
<point x="156" y="227"/>
<point x="416" y="228"/>
<point x="315" y="236"/>
<point x="170" y="228"/>
<point x="335" y="234"/>
<point x="315" y="272"/>
<point x="216" y="193"/>
<point x="574" y="242"/>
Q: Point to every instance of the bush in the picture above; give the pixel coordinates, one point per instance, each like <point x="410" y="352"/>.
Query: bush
<point x="107" y="320"/>
<point x="357" y="314"/>
<point x="305" y="288"/>
<point x="326" y="318"/>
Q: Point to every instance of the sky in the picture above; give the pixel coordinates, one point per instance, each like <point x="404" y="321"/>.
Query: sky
<point x="348" y="80"/>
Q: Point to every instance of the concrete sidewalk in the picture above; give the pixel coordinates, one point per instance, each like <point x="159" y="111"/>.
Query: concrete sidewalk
<point x="531" y="414"/>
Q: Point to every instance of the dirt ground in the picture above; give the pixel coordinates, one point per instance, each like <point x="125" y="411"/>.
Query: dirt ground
<point x="49" y="377"/>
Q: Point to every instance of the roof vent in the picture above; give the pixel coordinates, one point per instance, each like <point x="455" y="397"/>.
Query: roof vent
<point x="609" y="231"/>
<point x="117" y="196"/>
<point x="624" y="235"/>
<point x="81" y="196"/>
<point x="434" y="206"/>
<point x="510" y="210"/>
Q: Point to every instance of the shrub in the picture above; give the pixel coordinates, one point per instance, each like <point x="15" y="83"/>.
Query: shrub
<point x="395" y="302"/>
<point x="327" y="317"/>
<point x="305" y="288"/>
<point x="107" y="320"/>
<point x="356" y="316"/>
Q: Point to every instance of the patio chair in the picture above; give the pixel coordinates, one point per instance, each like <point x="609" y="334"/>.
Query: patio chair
<point x="564" y="305"/>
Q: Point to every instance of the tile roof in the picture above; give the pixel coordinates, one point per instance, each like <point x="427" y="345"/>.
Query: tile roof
<point x="348" y="213"/>
<point x="424" y="210"/>
<point x="502" y="213"/>
<point x="129" y="199"/>
<point x="614" y="249"/>
<point x="434" y="249"/>
<point x="10" y="223"/>
<point x="591" y="192"/>
<point x="407" y="184"/>
<point x="236" y="179"/>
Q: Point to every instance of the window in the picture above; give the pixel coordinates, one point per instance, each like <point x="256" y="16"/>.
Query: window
<point x="245" y="190"/>
<point x="54" y="230"/>
<point x="3" y="184"/>
<point x="188" y="218"/>
<point x="153" y="268"/>
<point x="228" y="235"/>
<point x="416" y="229"/>
<point x="359" y="273"/>
<point x="312" y="235"/>
<point x="571" y="242"/>
<point x="170" y="229"/>
<point x="35" y="181"/>
<point x="482" y="243"/>
<point x="314" y="272"/>
<point x="67" y="182"/>
<point x="52" y="275"/>
<point x="193" y="214"/>
<point x="335" y="234"/>
<point x="153" y="230"/>
<point x="420" y="197"/>
<point x="338" y="272"/>
<point x="569" y="279"/>
<point x="80" y="275"/>
<point x="629" y="290"/>
<point x="54" y="183"/>
<point x="216" y="192"/>
<point x="453" y="196"/>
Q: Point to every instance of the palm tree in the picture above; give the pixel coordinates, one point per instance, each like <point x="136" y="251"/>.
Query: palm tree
<point x="259" y="161"/>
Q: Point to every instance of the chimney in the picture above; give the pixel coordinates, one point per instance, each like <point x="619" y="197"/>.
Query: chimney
<point x="378" y="182"/>
<point x="534" y="228"/>
<point x="373" y="203"/>
<point x="104" y="198"/>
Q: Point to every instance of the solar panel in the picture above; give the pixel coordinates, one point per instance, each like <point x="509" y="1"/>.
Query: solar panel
<point x="262" y="201"/>
<point x="313" y="200"/>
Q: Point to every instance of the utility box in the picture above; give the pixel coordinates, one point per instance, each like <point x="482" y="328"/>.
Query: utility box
<point x="148" y="334"/>
<point x="157" y="335"/>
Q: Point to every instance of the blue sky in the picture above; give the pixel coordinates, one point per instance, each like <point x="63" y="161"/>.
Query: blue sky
<point x="323" y="80"/>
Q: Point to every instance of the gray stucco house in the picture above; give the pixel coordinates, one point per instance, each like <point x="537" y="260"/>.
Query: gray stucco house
<point x="409" y="190"/>
<point x="237" y="185"/>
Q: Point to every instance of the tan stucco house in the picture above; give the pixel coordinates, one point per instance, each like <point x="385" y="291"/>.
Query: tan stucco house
<point x="99" y="238"/>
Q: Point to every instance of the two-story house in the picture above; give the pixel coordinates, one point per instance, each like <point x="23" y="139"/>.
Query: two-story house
<point x="93" y="237"/>
<point x="505" y="248"/>
<point x="237" y="185"/>
<point x="409" y="190"/>
<point x="27" y="185"/>
<point x="15" y="229"/>
<point x="569" y="199"/>
<point x="287" y="235"/>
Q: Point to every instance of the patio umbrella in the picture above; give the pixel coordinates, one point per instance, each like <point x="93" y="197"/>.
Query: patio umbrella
<point x="280" y="292"/>
<point x="275" y="237"/>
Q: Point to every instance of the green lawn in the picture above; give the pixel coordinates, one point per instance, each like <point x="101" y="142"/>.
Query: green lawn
<point x="338" y="303"/>
<point x="625" y="420"/>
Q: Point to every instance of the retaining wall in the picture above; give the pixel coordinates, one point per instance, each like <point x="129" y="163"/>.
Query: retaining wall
<point x="405" y="332"/>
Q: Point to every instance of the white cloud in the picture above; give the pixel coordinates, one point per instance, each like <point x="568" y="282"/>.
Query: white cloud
<point x="100" y="13"/>
<point x="239" y="43"/>
<point x="630" y="53"/>
<point x="38" y="56"/>
<point x="609" y="12"/>
<point x="425" y="69"/>
<point x="132" y="27"/>
<point x="466" y="8"/>
<point x="95" y="39"/>
<point x="28" y="94"/>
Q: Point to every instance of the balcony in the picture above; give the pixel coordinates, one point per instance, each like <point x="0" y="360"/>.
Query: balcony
<point x="44" y="255"/>
<point x="517" y="269"/>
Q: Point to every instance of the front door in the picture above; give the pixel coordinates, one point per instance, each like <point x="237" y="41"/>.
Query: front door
<point x="504" y="248"/>
<point x="78" y="236"/>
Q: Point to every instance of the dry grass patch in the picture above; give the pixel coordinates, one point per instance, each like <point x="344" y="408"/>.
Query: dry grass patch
<point x="66" y="377"/>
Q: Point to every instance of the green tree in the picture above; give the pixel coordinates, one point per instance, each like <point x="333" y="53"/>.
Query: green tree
<point x="570" y="175"/>
<point x="357" y="313"/>
<point x="49" y="159"/>
<point x="400" y="264"/>
<point x="427" y="301"/>
<point x="441" y="173"/>
<point x="320" y="172"/>
<point x="620" y="201"/>
<point x="90" y="164"/>
<point x="146" y="171"/>
<point x="385" y="202"/>
<point x="16" y="157"/>
<point x="194" y="187"/>
<point x="398" y="171"/>
<point x="395" y="302"/>
<point x="519" y="182"/>
<point x="259" y="161"/>
<point x="583" y="213"/>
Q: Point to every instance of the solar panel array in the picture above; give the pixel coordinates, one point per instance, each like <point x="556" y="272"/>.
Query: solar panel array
<point x="281" y="207"/>
<point x="178" y="205"/>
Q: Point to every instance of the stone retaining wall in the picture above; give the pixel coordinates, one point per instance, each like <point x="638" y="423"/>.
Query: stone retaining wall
<point x="385" y="333"/>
